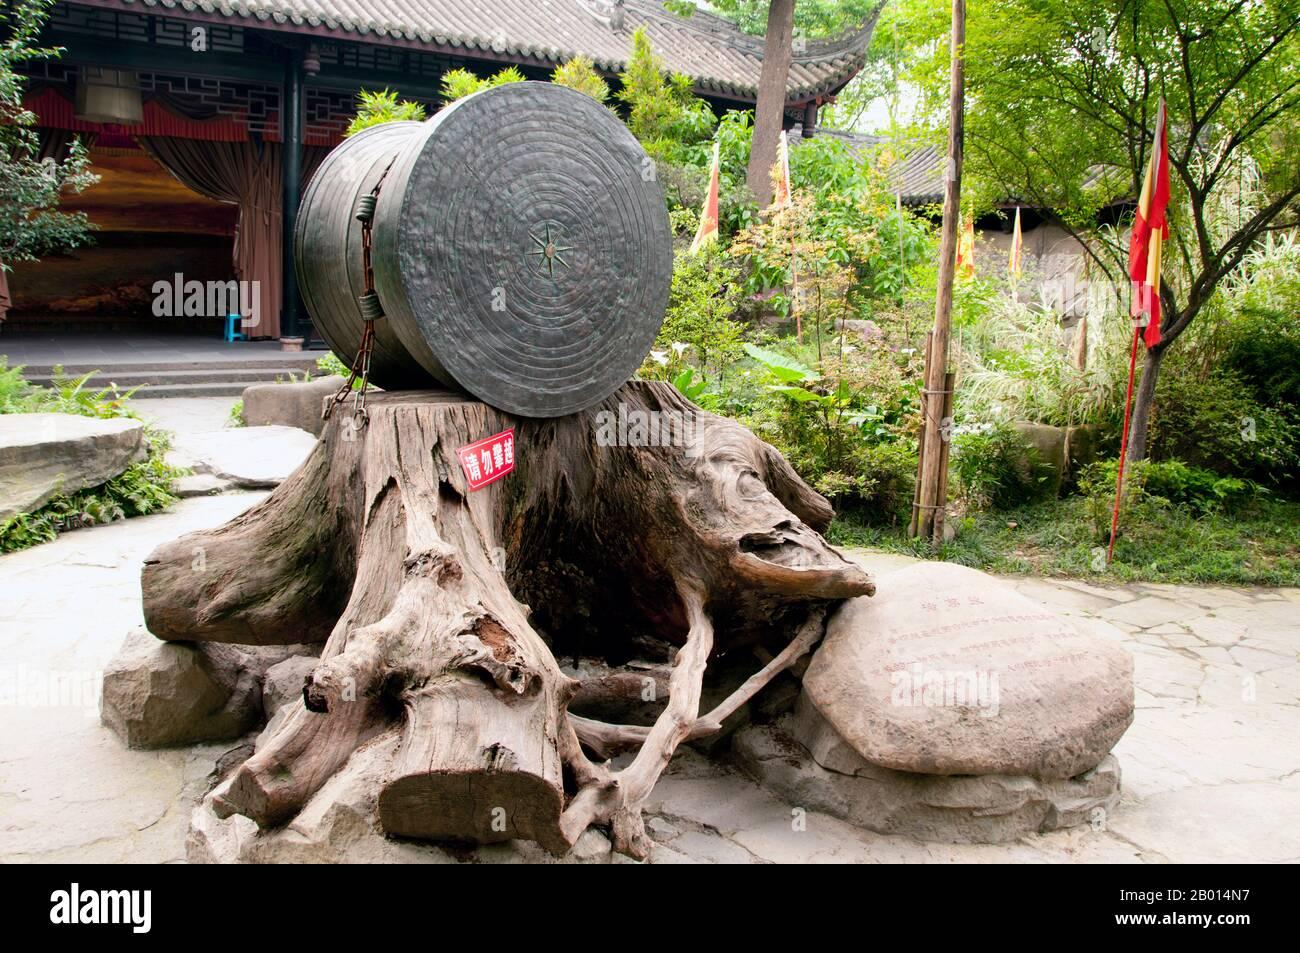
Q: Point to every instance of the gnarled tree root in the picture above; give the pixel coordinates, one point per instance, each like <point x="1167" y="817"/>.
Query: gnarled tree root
<point x="682" y="526"/>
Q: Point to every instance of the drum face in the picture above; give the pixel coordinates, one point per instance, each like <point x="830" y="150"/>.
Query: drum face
<point x="521" y="249"/>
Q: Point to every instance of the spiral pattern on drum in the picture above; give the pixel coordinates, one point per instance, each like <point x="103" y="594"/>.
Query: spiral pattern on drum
<point x="531" y="248"/>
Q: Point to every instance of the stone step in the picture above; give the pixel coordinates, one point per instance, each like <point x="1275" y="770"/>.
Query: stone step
<point x="161" y="375"/>
<point x="301" y="361"/>
<point x="232" y="388"/>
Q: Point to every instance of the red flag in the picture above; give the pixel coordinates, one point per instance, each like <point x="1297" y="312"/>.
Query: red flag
<point x="708" y="230"/>
<point x="1150" y="229"/>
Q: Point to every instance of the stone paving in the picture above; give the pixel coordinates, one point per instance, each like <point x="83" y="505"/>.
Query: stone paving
<point x="1211" y="765"/>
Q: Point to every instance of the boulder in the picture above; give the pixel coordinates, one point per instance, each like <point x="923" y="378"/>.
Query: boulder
<point x="289" y="405"/>
<point x="158" y="694"/>
<point x="43" y="455"/>
<point x="1082" y="447"/>
<point x="969" y="809"/>
<point x="948" y="671"/>
<point x="1048" y="443"/>
<point x="199" y="484"/>
<point x="248" y="457"/>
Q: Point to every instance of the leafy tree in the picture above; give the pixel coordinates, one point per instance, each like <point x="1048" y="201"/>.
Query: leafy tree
<point x="579" y="73"/>
<point x="376" y="108"/>
<point x="30" y="226"/>
<point x="663" y="111"/>
<point x="1061" y="108"/>
<point x="812" y="18"/>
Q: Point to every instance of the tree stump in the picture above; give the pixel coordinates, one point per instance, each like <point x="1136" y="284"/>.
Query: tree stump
<point x="446" y="610"/>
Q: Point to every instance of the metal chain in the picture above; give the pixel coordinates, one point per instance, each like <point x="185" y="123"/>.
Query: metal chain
<point x="371" y="311"/>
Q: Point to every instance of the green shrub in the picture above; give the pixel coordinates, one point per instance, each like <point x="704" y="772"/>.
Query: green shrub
<point x="376" y="108"/>
<point x="459" y="83"/>
<point x="579" y="73"/>
<point x="1153" y="487"/>
<point x="995" y="468"/>
<point x="1217" y="424"/>
<point x="842" y="424"/>
<point x="142" y="488"/>
<point x="663" y="111"/>
<point x="701" y="315"/>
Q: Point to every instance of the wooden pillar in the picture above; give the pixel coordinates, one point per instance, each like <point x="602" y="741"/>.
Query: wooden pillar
<point x="809" y="118"/>
<point x="931" y="487"/>
<point x="291" y="189"/>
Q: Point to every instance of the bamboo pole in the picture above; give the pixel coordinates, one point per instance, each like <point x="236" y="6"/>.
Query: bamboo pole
<point x="913" y="525"/>
<point x="929" y="482"/>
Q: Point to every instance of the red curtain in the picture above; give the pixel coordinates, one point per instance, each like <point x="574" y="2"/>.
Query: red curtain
<point x="246" y="174"/>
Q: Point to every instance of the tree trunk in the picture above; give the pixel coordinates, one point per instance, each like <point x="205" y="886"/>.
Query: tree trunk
<point x="641" y="518"/>
<point x="769" y="112"/>
<point x="1143" y="400"/>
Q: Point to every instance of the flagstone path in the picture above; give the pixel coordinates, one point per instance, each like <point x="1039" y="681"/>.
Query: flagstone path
<point x="1211" y="765"/>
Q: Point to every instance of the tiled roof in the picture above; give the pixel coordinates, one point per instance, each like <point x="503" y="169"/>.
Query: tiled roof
<point x="713" y="51"/>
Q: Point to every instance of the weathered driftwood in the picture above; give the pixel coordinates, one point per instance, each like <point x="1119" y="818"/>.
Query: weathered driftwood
<point x="424" y="590"/>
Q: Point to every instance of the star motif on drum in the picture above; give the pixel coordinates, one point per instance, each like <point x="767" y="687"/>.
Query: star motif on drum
<point x="548" y="251"/>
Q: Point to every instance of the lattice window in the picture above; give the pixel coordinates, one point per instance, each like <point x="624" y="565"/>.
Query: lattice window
<point x="179" y="33"/>
<point x="103" y="23"/>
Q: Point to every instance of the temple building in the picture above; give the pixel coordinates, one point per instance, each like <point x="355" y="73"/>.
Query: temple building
<point x="205" y="117"/>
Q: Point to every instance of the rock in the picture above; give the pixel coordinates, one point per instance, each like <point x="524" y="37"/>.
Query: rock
<point x="868" y="331"/>
<point x="289" y="405"/>
<point x="158" y="694"/>
<point x="43" y="455"/>
<point x="948" y="671"/>
<point x="249" y="457"/>
<point x="983" y="809"/>
<point x="340" y="825"/>
<point x="1082" y="447"/>
<point x="1048" y="443"/>
<point x="200" y="484"/>
<point x="284" y="681"/>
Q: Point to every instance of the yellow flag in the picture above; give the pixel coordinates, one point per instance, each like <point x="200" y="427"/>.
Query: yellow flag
<point x="1017" y="245"/>
<point x="708" y="230"/>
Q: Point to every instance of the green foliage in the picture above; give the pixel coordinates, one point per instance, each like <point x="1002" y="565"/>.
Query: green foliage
<point x="1153" y="490"/>
<point x="235" y="417"/>
<point x="375" y="108"/>
<point x="1217" y="423"/>
<point x="812" y="18"/>
<point x="663" y="112"/>
<point x="331" y="365"/>
<point x="843" y="424"/>
<point x="579" y="73"/>
<point x="459" y="83"/>
<point x="1061" y="104"/>
<point x="69" y="395"/>
<point x="840" y="235"/>
<point x="995" y="468"/>
<point x="1015" y="365"/>
<point x="701" y="315"/>
<point x="142" y="488"/>
<point x="1257" y="546"/>
<point x="30" y="225"/>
